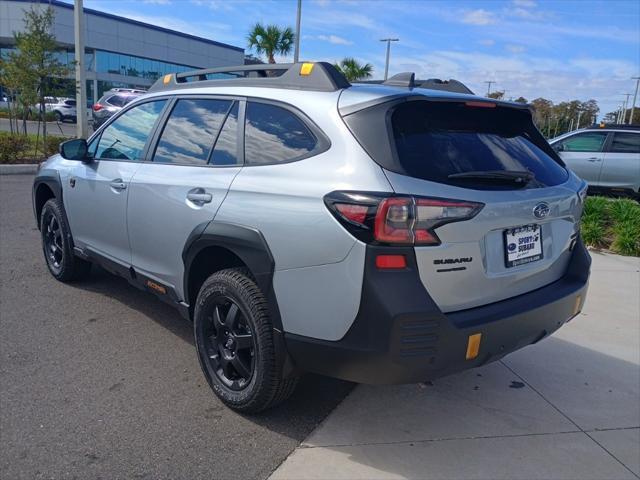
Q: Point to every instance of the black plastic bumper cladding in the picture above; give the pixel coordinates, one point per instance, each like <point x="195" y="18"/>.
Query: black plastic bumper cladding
<point x="401" y="336"/>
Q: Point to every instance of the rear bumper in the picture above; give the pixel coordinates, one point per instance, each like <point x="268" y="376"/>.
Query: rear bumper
<point x="400" y="335"/>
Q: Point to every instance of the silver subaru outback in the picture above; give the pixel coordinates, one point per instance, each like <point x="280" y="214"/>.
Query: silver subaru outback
<point x="376" y="233"/>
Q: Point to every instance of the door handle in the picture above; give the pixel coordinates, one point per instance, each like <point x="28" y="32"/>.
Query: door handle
<point x="199" y="196"/>
<point x="593" y="159"/>
<point x="118" y="184"/>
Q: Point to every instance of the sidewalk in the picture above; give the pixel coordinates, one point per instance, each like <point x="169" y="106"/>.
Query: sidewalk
<point x="567" y="407"/>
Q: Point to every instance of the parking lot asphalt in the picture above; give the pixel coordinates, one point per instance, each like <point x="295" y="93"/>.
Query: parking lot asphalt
<point x="565" y="408"/>
<point x="101" y="380"/>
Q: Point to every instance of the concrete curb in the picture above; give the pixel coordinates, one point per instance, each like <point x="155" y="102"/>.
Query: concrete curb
<point x="19" y="169"/>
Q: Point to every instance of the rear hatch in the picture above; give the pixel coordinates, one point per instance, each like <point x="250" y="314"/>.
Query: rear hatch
<point x="491" y="154"/>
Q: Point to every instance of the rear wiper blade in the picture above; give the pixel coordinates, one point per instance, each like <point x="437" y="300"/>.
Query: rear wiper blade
<point x="496" y="175"/>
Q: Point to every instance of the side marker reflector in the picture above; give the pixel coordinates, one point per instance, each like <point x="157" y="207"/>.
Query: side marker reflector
<point x="473" y="346"/>
<point x="306" y="69"/>
<point x="391" y="262"/>
<point x="167" y="78"/>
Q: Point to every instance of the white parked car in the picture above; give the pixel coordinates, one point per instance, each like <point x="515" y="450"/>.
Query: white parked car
<point x="607" y="157"/>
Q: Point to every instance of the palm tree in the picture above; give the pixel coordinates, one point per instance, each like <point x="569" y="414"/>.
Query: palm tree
<point x="271" y="40"/>
<point x="354" y="70"/>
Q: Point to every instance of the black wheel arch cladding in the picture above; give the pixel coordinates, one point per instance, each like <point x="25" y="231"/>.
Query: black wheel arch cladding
<point x="246" y="243"/>
<point x="46" y="178"/>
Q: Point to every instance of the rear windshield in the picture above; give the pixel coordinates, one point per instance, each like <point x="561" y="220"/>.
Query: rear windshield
<point x="434" y="140"/>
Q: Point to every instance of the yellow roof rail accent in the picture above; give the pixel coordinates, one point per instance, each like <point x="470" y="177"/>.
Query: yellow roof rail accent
<point x="306" y="69"/>
<point x="167" y="78"/>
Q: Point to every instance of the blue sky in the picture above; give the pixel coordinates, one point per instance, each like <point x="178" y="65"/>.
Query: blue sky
<point x="560" y="50"/>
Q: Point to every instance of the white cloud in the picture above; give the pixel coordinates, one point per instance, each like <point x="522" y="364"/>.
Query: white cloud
<point x="487" y="42"/>
<point x="157" y="2"/>
<point x="478" y="17"/>
<point x="559" y="80"/>
<point x="334" y="39"/>
<point x="515" y="48"/>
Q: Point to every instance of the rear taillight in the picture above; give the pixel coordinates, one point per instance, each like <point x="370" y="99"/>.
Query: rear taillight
<point x="96" y="107"/>
<point x="397" y="220"/>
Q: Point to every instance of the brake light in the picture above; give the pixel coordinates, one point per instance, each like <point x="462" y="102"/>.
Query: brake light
<point x="96" y="107"/>
<point x="354" y="213"/>
<point x="393" y="221"/>
<point x="480" y="104"/>
<point x="397" y="220"/>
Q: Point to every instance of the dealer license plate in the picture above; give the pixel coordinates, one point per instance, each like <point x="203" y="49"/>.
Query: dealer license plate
<point x="522" y="245"/>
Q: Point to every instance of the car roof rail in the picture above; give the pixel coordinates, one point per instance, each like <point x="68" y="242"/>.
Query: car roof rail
<point x="408" y="80"/>
<point x="617" y="126"/>
<point x="319" y="76"/>
<point x="127" y="90"/>
<point x="404" y="79"/>
<point x="450" y="85"/>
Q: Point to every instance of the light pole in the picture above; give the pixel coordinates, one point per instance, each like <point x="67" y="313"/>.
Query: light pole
<point x="489" y="83"/>
<point x="624" y="107"/>
<point x="633" y="105"/>
<point x="81" y="84"/>
<point x="579" y="115"/>
<point x="386" y="64"/>
<point x="296" y="53"/>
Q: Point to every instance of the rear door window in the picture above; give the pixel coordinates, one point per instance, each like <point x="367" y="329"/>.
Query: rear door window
<point x="225" y="152"/>
<point x="116" y="101"/>
<point x="584" y="142"/>
<point x="625" y="143"/>
<point x="434" y="140"/>
<point x="191" y="130"/>
<point x="275" y="135"/>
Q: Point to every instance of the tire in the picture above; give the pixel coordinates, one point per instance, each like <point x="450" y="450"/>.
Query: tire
<point x="57" y="244"/>
<point x="59" y="117"/>
<point x="236" y="346"/>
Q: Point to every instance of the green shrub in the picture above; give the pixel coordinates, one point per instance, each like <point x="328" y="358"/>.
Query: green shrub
<point x="18" y="148"/>
<point x="612" y="223"/>
<point x="12" y="147"/>
<point x="52" y="145"/>
<point x="593" y="232"/>
<point x="626" y="238"/>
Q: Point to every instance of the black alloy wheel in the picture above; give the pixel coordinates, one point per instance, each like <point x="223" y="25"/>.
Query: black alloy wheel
<point x="229" y="343"/>
<point x="53" y="242"/>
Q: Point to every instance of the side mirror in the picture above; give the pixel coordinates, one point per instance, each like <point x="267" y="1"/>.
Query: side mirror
<point x="75" y="149"/>
<point x="558" y="147"/>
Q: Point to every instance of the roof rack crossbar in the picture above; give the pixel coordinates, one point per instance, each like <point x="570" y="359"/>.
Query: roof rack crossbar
<point x="320" y="76"/>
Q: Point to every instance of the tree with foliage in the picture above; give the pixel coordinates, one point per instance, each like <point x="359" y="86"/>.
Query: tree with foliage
<point x="29" y="69"/>
<point x="497" y="95"/>
<point x="520" y="100"/>
<point x="271" y="40"/>
<point x="354" y="70"/>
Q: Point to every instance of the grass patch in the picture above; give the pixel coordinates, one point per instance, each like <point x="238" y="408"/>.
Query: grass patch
<point x="18" y="148"/>
<point x="613" y="224"/>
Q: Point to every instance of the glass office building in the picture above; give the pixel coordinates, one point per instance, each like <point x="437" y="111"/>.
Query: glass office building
<point x="119" y="52"/>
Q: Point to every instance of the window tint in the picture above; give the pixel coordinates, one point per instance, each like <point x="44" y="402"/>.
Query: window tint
<point x="116" y="101"/>
<point x="585" y="142"/>
<point x="125" y="137"/>
<point x="226" y="149"/>
<point x="71" y="103"/>
<point x="191" y="130"/>
<point x="274" y="134"/>
<point x="625" y="143"/>
<point x="435" y="140"/>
